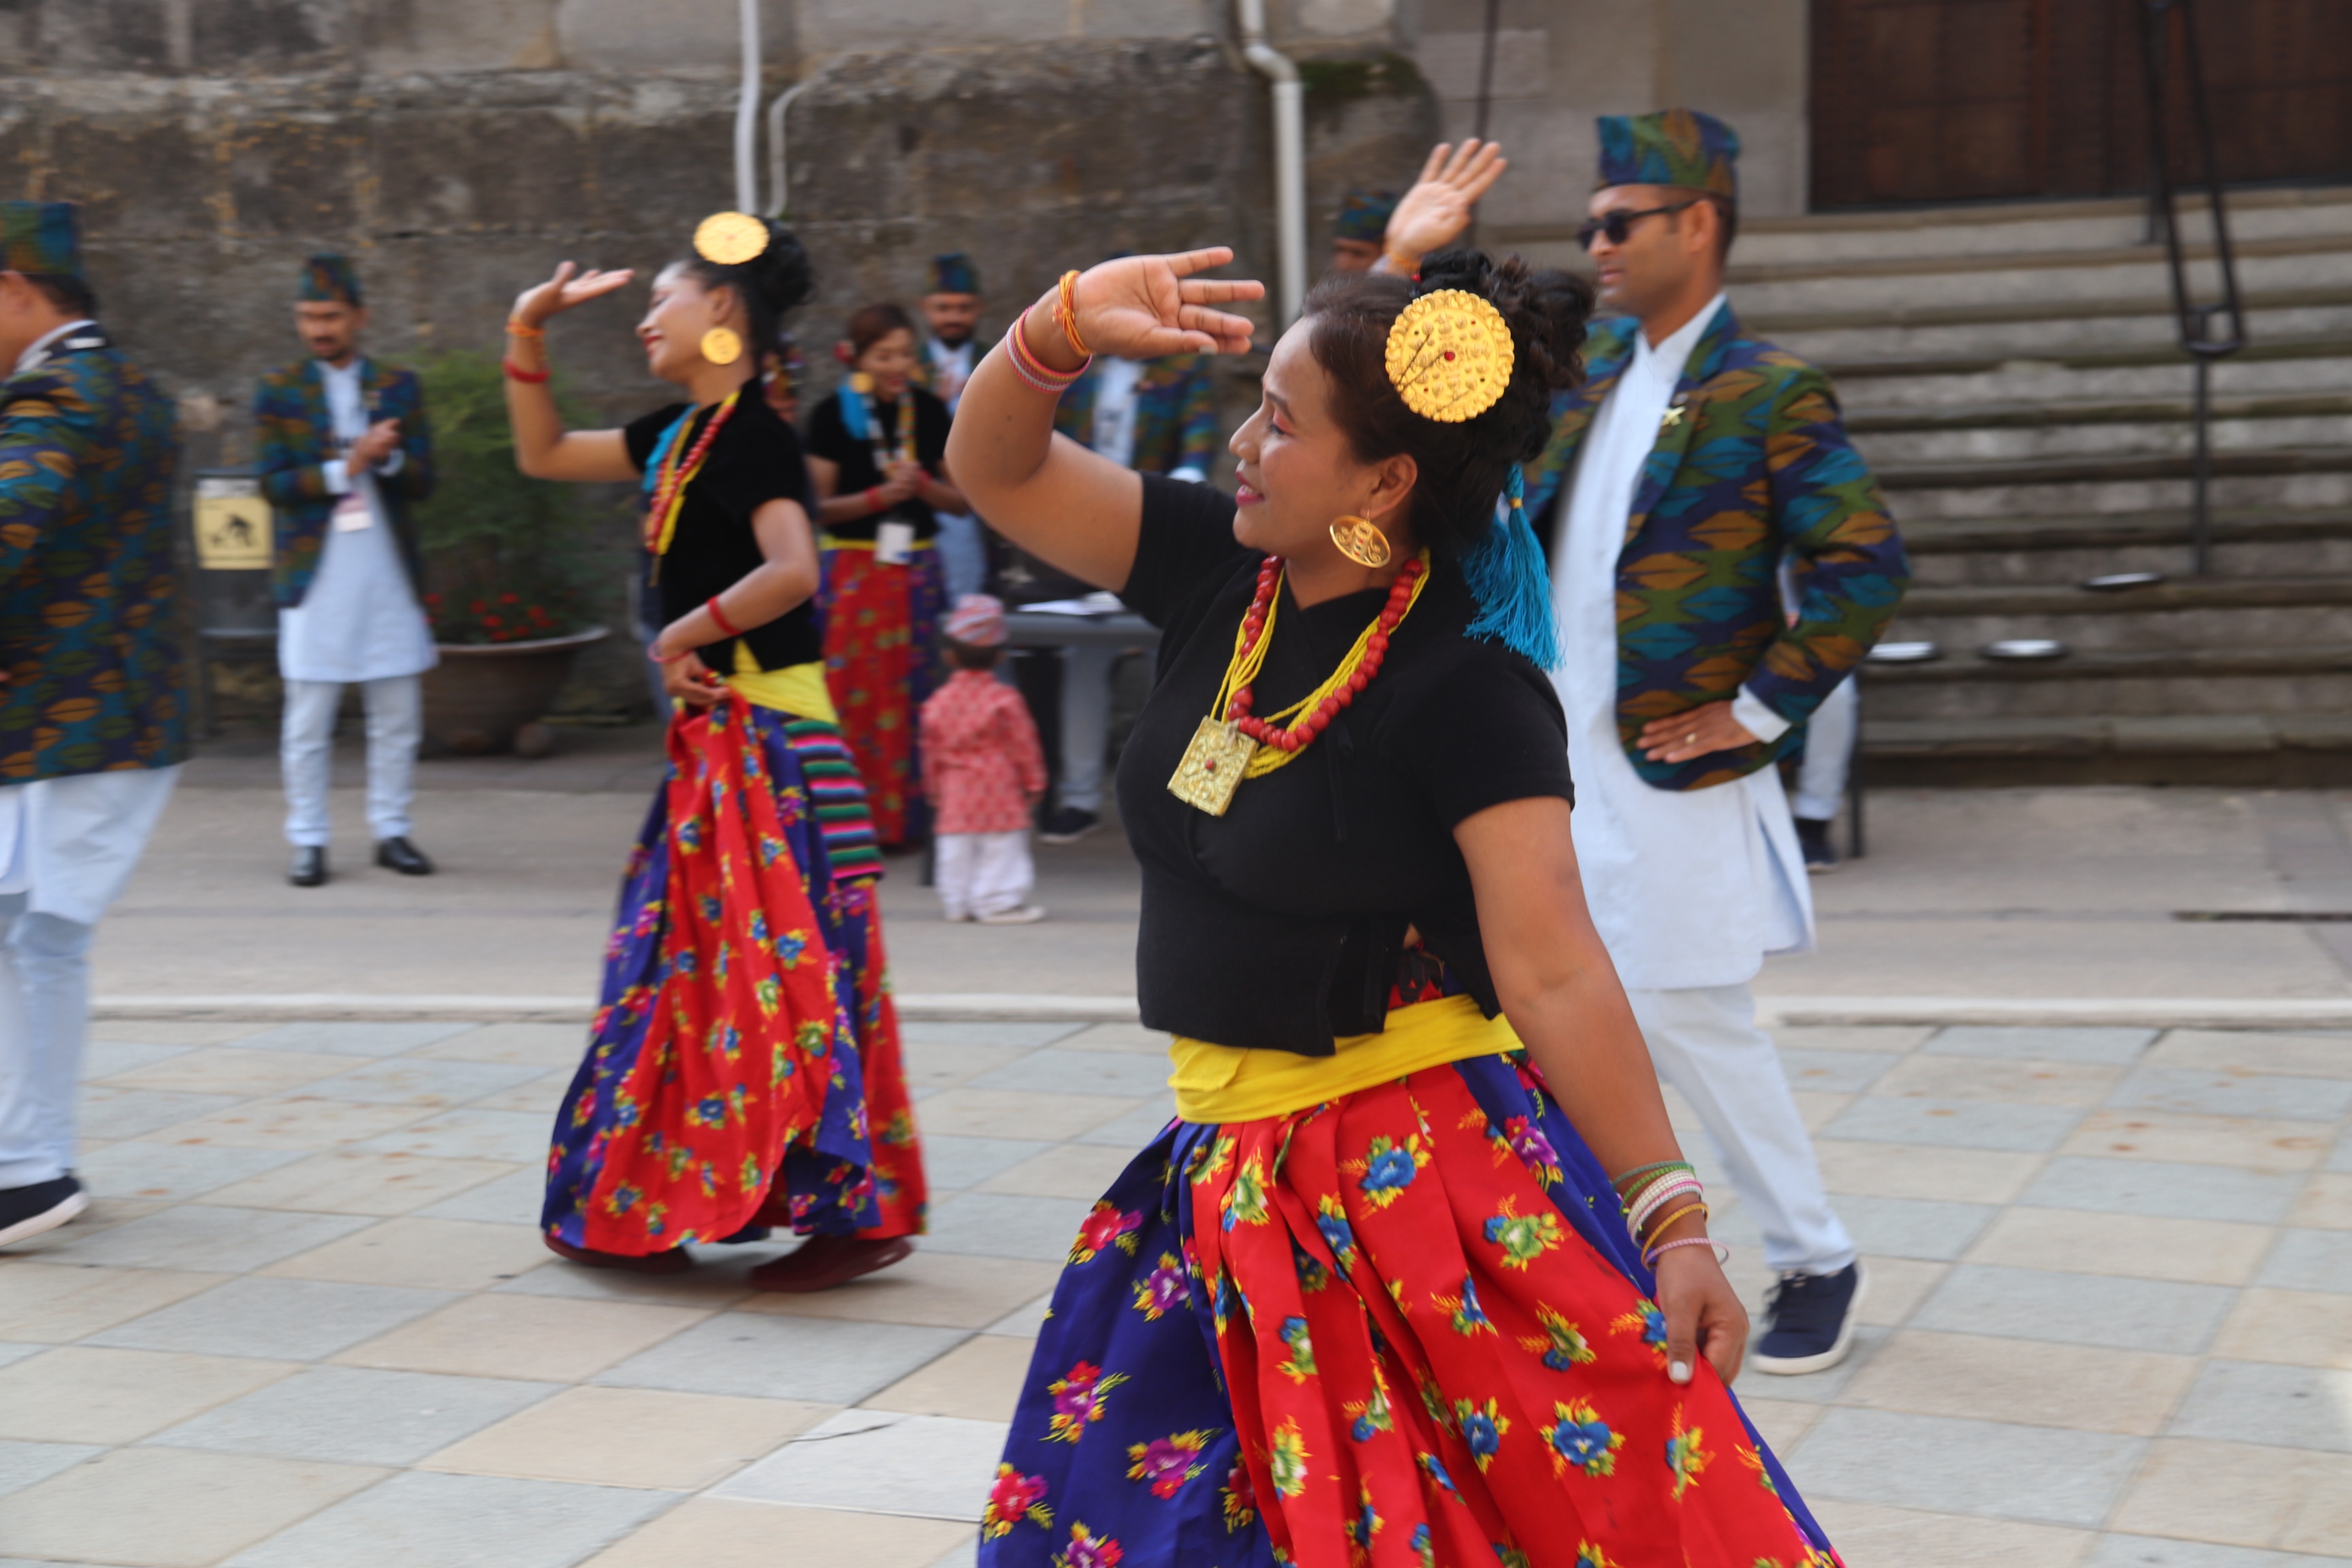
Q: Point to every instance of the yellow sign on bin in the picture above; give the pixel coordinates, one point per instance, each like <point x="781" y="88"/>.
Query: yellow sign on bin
<point x="232" y="526"/>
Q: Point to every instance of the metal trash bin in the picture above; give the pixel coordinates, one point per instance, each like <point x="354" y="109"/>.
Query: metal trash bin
<point x="237" y="620"/>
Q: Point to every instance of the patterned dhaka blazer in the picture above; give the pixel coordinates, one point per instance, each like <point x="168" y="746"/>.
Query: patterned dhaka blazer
<point x="1175" y="415"/>
<point x="1757" y="464"/>
<point x="296" y="443"/>
<point x="89" y="586"/>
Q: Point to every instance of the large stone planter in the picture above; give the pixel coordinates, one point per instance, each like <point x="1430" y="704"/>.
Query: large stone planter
<point x="490" y="697"/>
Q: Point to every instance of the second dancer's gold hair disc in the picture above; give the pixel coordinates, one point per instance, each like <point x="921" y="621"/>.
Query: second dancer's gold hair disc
<point x="729" y="239"/>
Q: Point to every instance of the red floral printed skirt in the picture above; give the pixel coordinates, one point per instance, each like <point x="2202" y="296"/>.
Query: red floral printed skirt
<point x="1402" y="1329"/>
<point x="882" y="660"/>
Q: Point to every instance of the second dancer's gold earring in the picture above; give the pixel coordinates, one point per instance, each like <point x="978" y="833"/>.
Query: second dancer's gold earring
<point x="1360" y="541"/>
<point x="721" y="346"/>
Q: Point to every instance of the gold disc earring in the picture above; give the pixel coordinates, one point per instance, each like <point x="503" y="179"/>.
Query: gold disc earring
<point x="721" y="346"/>
<point x="1360" y="541"/>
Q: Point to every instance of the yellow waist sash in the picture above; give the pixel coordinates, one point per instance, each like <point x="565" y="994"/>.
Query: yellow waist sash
<point x="1225" y="1083"/>
<point x="834" y="542"/>
<point x="798" y="689"/>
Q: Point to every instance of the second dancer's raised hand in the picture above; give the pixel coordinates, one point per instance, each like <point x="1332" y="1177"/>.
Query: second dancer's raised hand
<point x="1145" y="307"/>
<point x="1436" y="211"/>
<point x="568" y="286"/>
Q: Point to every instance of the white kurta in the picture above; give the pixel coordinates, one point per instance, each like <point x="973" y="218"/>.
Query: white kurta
<point x="360" y="620"/>
<point x="1689" y="888"/>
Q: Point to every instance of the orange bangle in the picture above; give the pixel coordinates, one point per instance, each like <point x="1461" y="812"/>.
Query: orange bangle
<point x="524" y="331"/>
<point x="1659" y="1227"/>
<point x="1066" y="312"/>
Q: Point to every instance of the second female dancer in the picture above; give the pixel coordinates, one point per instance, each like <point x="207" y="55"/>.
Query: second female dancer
<point x="1418" y="1278"/>
<point x="744" y="1068"/>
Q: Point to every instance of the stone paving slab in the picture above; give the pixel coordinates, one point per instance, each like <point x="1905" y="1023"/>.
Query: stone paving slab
<point x="308" y="1323"/>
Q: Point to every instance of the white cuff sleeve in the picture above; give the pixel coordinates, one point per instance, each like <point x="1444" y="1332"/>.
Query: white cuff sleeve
<point x="394" y="464"/>
<point x="339" y="476"/>
<point x="1756" y="718"/>
<point x="1189" y="473"/>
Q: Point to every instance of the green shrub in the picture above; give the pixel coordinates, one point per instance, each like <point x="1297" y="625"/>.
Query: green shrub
<point x="507" y="557"/>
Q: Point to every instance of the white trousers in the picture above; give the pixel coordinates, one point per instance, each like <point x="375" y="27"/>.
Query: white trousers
<point x="395" y="724"/>
<point x="1829" y="754"/>
<point x="1085" y="724"/>
<point x="67" y="846"/>
<point x="1707" y="1044"/>
<point x="983" y="873"/>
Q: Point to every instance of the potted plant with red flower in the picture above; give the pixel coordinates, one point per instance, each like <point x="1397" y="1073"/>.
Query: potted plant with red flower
<point x="508" y="567"/>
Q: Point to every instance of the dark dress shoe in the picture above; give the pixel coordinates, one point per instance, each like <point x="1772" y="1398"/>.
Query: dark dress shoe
<point x="399" y="855"/>
<point x="310" y="868"/>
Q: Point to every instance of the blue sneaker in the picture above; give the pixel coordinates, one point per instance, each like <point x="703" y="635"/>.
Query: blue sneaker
<point x="1811" y="1319"/>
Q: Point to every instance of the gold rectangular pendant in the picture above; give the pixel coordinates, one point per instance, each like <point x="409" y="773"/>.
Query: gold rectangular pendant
<point x="1213" y="767"/>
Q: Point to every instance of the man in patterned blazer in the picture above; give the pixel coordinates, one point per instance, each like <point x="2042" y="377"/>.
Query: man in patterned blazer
<point x="945" y="362"/>
<point x="93" y="693"/>
<point x="1691" y="460"/>
<point x="345" y="452"/>
<point x="1157" y="417"/>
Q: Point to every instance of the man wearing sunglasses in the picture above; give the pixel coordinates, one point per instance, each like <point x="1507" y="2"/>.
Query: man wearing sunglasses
<point x="1691" y="460"/>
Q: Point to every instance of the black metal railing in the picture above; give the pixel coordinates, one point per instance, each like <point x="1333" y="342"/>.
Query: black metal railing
<point x="2167" y="31"/>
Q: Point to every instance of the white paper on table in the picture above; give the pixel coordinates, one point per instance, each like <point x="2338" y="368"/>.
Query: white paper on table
<point x="1095" y="604"/>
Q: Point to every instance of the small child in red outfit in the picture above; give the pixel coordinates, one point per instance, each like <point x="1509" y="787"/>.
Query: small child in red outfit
<point x="984" y="772"/>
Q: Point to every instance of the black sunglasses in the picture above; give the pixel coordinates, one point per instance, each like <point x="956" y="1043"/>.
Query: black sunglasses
<point x="1620" y="223"/>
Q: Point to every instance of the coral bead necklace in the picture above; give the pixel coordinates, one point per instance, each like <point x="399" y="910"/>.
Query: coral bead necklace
<point x="1233" y="743"/>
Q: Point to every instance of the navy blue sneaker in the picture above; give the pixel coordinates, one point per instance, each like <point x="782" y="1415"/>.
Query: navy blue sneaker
<point x="1810" y="1321"/>
<point x="28" y="1212"/>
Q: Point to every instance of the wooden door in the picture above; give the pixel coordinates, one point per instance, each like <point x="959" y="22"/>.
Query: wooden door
<point x="1940" y="100"/>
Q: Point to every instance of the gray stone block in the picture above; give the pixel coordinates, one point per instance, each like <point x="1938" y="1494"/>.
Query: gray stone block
<point x="2257" y="1401"/>
<point x="776" y="1357"/>
<point x="1994" y="1469"/>
<point x="422" y="1519"/>
<point x="2157" y="1187"/>
<point x="284" y="1319"/>
<point x="356" y="1416"/>
<point x="2099" y="1310"/>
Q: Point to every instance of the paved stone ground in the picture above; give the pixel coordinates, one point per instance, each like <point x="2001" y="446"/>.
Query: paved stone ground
<point x="309" y="1323"/>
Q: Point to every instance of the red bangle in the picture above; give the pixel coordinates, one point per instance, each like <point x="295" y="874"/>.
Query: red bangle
<point x="517" y="373"/>
<point x="873" y="504"/>
<point x="711" y="604"/>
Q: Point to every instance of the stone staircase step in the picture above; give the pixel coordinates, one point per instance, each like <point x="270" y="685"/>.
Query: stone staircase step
<point x="2116" y="469"/>
<point x="2027" y="307"/>
<point x="2138" y="682"/>
<point x="2031" y="226"/>
<point x="2183" y="593"/>
<point x="2042" y="415"/>
<point x="2275" y="751"/>
<point x="2134" y="253"/>
<point x="2292" y="263"/>
<point x="2293" y="347"/>
<point x="2096" y="530"/>
<point x="2119" y="664"/>
<point x="1992" y="552"/>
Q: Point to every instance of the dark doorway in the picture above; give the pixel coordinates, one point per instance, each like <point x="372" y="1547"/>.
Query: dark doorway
<point x="1928" y="101"/>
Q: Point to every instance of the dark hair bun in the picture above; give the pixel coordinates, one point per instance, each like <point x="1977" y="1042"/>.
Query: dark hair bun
<point x="781" y="273"/>
<point x="1547" y="309"/>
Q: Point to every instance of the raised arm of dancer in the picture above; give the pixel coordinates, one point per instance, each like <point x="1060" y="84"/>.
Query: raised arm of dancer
<point x="1561" y="994"/>
<point x="1077" y="511"/>
<point x="1438" y="208"/>
<point x="785" y="578"/>
<point x="543" y="449"/>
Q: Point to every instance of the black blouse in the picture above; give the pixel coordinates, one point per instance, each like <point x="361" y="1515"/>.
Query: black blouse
<point x="1281" y="924"/>
<point x="830" y="437"/>
<point x="756" y="460"/>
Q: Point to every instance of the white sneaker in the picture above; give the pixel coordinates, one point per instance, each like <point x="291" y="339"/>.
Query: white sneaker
<point x="1021" y="915"/>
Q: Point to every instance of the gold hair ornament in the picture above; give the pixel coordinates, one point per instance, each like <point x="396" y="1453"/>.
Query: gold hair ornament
<point x="720" y="345"/>
<point x="1450" y="355"/>
<point x="729" y="239"/>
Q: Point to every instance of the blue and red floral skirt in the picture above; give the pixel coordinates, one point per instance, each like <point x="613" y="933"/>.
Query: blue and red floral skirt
<point x="1405" y="1329"/>
<point x="883" y="657"/>
<point x="744" y="1066"/>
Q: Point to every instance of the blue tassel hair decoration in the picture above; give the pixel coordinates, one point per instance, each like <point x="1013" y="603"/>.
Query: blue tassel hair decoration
<point x="1507" y="577"/>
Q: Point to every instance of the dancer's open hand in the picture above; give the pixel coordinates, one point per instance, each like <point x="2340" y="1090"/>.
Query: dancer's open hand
<point x="1703" y="1316"/>
<point x="1434" y="214"/>
<point x="568" y="286"/>
<point x="1142" y="307"/>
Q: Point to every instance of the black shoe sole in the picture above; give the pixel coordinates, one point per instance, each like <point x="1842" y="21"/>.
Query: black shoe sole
<point x="48" y="1220"/>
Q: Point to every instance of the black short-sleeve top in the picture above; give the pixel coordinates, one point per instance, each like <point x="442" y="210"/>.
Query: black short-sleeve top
<point x="1281" y="924"/>
<point x="830" y="437"/>
<point x="755" y="459"/>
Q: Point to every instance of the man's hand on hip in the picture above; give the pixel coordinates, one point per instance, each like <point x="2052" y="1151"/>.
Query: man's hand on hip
<point x="1696" y="734"/>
